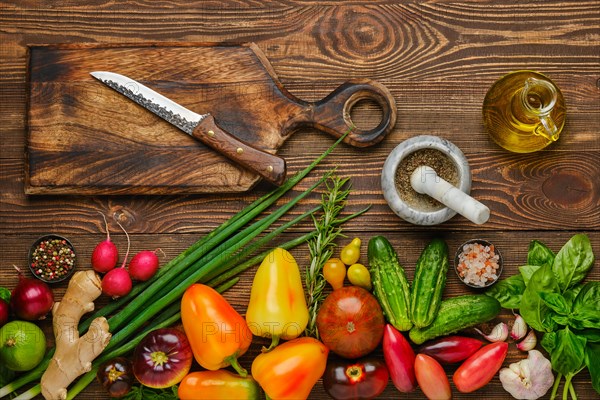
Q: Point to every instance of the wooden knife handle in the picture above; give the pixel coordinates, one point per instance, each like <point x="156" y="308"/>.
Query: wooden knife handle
<point x="267" y="165"/>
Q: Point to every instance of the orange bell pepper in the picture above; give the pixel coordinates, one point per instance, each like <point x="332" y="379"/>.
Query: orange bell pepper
<point x="277" y="307"/>
<point x="290" y="370"/>
<point x="217" y="385"/>
<point x="218" y="335"/>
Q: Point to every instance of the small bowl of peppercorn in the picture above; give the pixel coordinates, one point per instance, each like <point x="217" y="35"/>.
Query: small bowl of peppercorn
<point x="52" y="258"/>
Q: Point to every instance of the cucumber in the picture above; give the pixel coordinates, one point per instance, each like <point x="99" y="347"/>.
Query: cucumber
<point x="428" y="285"/>
<point x="455" y="314"/>
<point x="390" y="285"/>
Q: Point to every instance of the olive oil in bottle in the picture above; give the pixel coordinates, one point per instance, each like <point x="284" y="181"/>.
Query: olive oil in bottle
<point x="524" y="112"/>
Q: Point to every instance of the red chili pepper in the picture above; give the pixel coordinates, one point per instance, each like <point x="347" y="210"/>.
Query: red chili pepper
<point x="451" y="349"/>
<point x="479" y="369"/>
<point x="365" y="378"/>
<point x="400" y="359"/>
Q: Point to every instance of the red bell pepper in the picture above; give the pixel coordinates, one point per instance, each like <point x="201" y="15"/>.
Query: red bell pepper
<point x="451" y="349"/>
<point x="432" y="378"/>
<point x="400" y="359"/>
<point x="479" y="369"/>
<point x="365" y="378"/>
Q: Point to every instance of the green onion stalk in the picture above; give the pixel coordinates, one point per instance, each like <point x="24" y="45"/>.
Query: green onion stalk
<point x="209" y="258"/>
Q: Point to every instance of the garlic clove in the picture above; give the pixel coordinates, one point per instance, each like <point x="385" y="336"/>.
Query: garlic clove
<point x="519" y="328"/>
<point x="498" y="334"/>
<point x="528" y="343"/>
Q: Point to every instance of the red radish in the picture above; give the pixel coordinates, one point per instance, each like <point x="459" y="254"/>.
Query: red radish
<point x="31" y="299"/>
<point x="117" y="282"/>
<point x="105" y="254"/>
<point x="143" y="265"/>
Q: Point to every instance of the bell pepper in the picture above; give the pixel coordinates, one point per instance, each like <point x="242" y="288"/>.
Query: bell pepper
<point x="218" y="335"/>
<point x="365" y="378"/>
<point x="451" y="349"/>
<point x="217" y="385"/>
<point x="290" y="370"/>
<point x="479" y="369"/>
<point x="400" y="359"/>
<point x="277" y="307"/>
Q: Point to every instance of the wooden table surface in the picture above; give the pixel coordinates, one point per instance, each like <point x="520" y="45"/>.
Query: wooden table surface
<point x="438" y="58"/>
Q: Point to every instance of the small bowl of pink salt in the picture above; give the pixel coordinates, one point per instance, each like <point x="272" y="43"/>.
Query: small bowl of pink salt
<point x="478" y="263"/>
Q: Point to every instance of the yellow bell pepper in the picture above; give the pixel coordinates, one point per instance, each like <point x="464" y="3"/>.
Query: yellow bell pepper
<point x="277" y="307"/>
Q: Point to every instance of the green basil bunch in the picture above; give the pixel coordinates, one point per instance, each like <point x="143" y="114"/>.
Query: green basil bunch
<point x="551" y="298"/>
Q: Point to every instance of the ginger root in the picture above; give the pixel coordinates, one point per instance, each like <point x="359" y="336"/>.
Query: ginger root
<point x="74" y="355"/>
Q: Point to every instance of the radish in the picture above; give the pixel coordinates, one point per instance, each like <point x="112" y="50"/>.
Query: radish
<point x="117" y="282"/>
<point x="105" y="254"/>
<point x="143" y="265"/>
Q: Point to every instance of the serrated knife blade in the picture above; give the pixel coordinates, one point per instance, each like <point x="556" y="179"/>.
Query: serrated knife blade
<point x="201" y="126"/>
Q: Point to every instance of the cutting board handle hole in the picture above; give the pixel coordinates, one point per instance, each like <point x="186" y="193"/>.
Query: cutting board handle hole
<point x="366" y="114"/>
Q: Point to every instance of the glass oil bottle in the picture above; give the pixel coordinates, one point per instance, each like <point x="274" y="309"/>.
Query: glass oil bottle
<point x="524" y="112"/>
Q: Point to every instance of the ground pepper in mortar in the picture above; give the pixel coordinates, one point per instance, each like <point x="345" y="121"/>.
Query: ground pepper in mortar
<point x="52" y="259"/>
<point x="437" y="160"/>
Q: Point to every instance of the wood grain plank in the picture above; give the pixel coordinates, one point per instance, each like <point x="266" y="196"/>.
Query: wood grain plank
<point x="512" y="245"/>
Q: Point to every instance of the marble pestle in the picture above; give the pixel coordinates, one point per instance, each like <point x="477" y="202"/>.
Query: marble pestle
<point x="425" y="180"/>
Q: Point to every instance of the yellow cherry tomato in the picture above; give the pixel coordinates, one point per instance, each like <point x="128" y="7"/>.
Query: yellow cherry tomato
<point x="351" y="252"/>
<point x="334" y="272"/>
<point x="359" y="275"/>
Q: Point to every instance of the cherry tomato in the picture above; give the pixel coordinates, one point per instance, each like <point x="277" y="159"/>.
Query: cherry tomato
<point x="334" y="272"/>
<point x="351" y="252"/>
<point x="431" y="378"/>
<point x="359" y="275"/>
<point x="479" y="369"/>
<point x="116" y="376"/>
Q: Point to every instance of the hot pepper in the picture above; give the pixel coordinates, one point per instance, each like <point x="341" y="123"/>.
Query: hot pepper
<point x="290" y="370"/>
<point x="219" y="384"/>
<point x="218" y="335"/>
<point x="400" y="359"/>
<point x="277" y="307"/>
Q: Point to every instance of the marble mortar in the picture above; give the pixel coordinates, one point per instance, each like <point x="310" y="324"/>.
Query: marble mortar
<point x="388" y="174"/>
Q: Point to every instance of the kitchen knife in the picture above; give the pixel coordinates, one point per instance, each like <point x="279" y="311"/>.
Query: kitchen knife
<point x="201" y="126"/>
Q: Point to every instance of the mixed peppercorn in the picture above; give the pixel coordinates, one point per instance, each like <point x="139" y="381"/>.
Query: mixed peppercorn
<point x="52" y="259"/>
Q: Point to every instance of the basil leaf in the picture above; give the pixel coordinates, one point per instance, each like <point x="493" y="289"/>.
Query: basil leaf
<point x="586" y="307"/>
<point x="568" y="355"/>
<point x="508" y="291"/>
<point x="571" y="294"/>
<point x="556" y="302"/>
<point x="539" y="254"/>
<point x="528" y="270"/>
<point x="592" y="335"/>
<point x="532" y="308"/>
<point x="573" y="262"/>
<point x="592" y="360"/>
<point x="548" y="341"/>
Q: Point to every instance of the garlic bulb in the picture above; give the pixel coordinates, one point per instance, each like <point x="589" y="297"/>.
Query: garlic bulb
<point x="528" y="379"/>
<point x="498" y="334"/>
<point x="519" y="328"/>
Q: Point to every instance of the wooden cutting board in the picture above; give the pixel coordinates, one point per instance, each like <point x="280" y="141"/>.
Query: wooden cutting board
<point x="84" y="138"/>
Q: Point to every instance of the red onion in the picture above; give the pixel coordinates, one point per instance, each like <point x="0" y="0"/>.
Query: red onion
<point x="31" y="299"/>
<point x="3" y="312"/>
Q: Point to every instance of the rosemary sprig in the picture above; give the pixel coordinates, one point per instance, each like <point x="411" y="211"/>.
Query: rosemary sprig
<point x="328" y="229"/>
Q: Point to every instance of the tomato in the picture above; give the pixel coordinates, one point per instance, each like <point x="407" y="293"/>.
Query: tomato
<point x="351" y="252"/>
<point x="400" y="359"/>
<point x="432" y="378"/>
<point x="334" y="272"/>
<point x="359" y="275"/>
<point x="350" y="322"/>
<point x="365" y="378"/>
<point x="479" y="369"/>
<point x="451" y="349"/>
